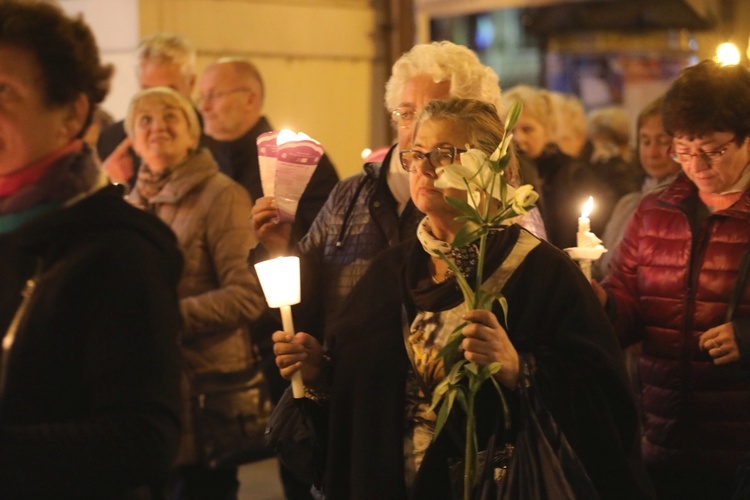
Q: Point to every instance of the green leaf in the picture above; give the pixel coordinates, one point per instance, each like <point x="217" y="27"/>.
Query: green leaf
<point x="466" y="290"/>
<point x="445" y="410"/>
<point x="491" y="369"/>
<point x="467" y="235"/>
<point x="439" y="392"/>
<point x="462" y="206"/>
<point x="484" y="300"/>
<point x="503" y="162"/>
<point x="513" y="115"/>
<point x="449" y="352"/>
<point x="461" y="398"/>
<point x="504" y="306"/>
<point x="469" y="219"/>
<point x="455" y="375"/>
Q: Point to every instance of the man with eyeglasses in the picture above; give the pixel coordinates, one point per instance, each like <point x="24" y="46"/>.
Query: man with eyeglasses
<point x="231" y="103"/>
<point x="163" y="60"/>
<point x="679" y="283"/>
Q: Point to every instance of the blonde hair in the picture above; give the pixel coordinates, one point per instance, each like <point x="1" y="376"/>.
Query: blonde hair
<point x="445" y="61"/>
<point x="537" y="103"/>
<point x="571" y="117"/>
<point x="169" y="97"/>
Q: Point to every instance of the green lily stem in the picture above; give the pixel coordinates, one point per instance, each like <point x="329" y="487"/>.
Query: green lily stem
<point x="480" y="268"/>
<point x="470" y="455"/>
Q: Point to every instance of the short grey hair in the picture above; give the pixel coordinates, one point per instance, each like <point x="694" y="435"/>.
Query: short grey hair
<point x="445" y="61"/>
<point x="168" y="48"/>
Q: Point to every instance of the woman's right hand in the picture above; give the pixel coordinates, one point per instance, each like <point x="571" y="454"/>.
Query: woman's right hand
<point x="298" y="352"/>
<point x="274" y="235"/>
<point x="118" y="165"/>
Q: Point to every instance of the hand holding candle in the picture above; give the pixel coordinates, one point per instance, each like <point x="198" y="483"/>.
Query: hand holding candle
<point x="280" y="281"/>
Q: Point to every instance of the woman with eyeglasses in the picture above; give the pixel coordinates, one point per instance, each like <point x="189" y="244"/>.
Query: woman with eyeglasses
<point x="676" y="284"/>
<point x="656" y="159"/>
<point x="371" y="397"/>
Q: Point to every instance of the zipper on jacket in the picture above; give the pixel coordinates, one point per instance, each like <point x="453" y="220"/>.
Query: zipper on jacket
<point x="698" y="248"/>
<point x="10" y="336"/>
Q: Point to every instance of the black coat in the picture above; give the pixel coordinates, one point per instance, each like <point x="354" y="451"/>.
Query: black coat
<point x="553" y="317"/>
<point x="91" y="404"/>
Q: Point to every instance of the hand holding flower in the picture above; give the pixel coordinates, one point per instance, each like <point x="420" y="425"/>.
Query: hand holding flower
<point x="486" y="342"/>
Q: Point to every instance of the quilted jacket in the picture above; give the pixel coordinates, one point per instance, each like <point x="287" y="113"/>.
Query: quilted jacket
<point x="219" y="296"/>
<point x="672" y="279"/>
<point x="358" y="221"/>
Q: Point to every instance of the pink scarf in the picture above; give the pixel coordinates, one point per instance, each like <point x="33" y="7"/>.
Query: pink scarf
<point x="31" y="173"/>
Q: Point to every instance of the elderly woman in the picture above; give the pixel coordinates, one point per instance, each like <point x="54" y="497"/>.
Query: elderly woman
<point x="89" y="375"/>
<point x="218" y="294"/>
<point x="373" y="390"/>
<point x="564" y="183"/>
<point x="676" y="284"/>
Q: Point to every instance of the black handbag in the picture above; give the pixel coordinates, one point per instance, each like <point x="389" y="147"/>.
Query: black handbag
<point x="292" y="437"/>
<point x="230" y="414"/>
<point x="539" y="464"/>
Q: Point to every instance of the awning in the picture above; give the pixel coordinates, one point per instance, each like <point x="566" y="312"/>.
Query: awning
<point x="614" y="15"/>
<point x="546" y="17"/>
<point x="445" y="8"/>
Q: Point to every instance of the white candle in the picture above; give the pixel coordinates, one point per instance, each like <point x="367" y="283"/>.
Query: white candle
<point x="279" y="279"/>
<point x="298" y="388"/>
<point x="585" y="238"/>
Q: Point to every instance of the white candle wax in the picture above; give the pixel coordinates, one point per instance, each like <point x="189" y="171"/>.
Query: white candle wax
<point x="280" y="281"/>
<point x="298" y="389"/>
<point x="584" y="228"/>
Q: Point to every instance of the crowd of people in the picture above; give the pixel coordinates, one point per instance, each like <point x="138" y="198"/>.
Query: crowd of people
<point x="127" y="281"/>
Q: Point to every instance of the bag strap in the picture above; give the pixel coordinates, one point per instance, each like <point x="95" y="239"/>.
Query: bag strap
<point x="739" y="286"/>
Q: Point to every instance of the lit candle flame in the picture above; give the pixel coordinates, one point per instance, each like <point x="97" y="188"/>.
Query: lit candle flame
<point x="727" y="54"/>
<point x="366" y="152"/>
<point x="286" y="135"/>
<point x="587" y="207"/>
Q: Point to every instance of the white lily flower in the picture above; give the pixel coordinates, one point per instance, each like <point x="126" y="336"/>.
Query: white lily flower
<point x="523" y="198"/>
<point x="475" y="170"/>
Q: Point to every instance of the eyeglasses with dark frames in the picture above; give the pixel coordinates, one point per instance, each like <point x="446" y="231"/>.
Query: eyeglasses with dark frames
<point x="212" y="96"/>
<point x="438" y="157"/>
<point x="708" y="157"/>
<point x="403" y="117"/>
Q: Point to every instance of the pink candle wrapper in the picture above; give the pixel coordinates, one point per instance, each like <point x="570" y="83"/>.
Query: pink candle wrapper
<point x="295" y="163"/>
<point x="267" y="150"/>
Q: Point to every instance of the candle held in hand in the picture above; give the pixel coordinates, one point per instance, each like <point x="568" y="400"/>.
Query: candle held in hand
<point x="585" y="238"/>
<point x="280" y="281"/>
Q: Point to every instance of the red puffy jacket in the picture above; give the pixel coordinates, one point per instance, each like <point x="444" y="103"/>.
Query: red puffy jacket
<point x="670" y="282"/>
